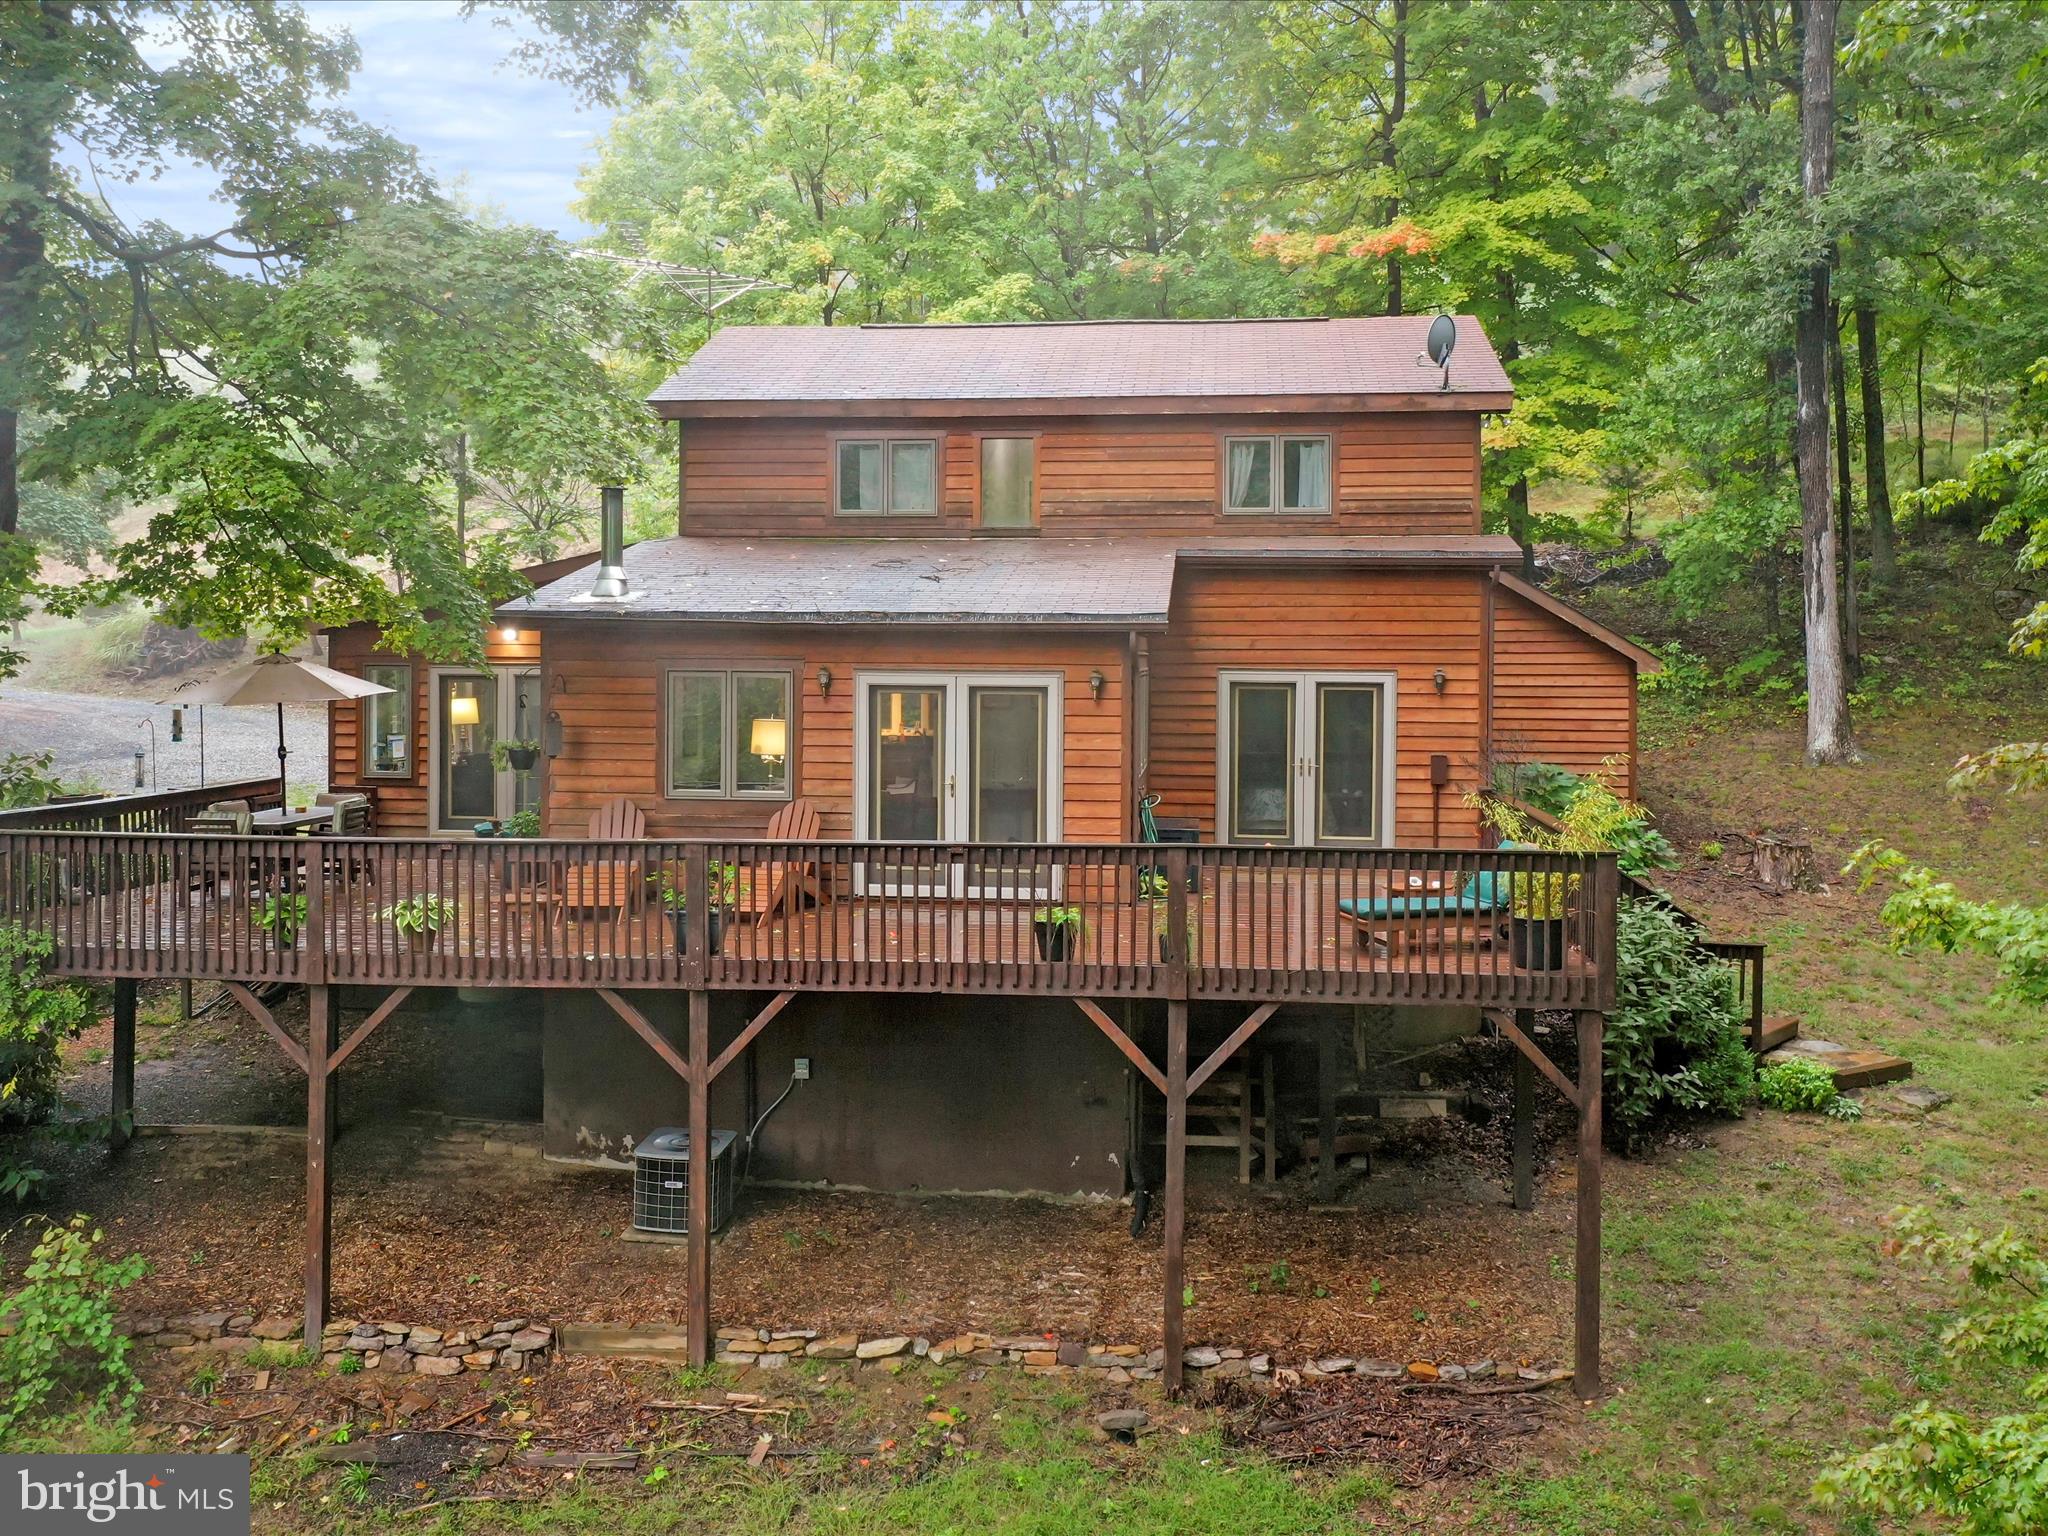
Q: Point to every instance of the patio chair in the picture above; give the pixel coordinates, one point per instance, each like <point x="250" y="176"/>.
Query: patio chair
<point x="608" y="885"/>
<point x="1468" y="919"/>
<point x="351" y="811"/>
<point x="785" y="883"/>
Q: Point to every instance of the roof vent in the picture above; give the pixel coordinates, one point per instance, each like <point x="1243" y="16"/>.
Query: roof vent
<point x="610" y="585"/>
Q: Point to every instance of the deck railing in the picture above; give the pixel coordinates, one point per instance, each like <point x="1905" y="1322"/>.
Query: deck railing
<point x="1174" y="921"/>
<point x="169" y="810"/>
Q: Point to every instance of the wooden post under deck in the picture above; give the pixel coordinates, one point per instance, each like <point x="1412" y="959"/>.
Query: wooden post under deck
<point x="319" y="1175"/>
<point x="1586" y="1262"/>
<point x="1525" y="1121"/>
<point x="698" y="1265"/>
<point x="122" y="1104"/>
<point x="1176" y="1185"/>
<point x="1326" y="1112"/>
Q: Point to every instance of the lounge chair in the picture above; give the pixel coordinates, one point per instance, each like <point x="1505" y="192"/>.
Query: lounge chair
<point x="787" y="883"/>
<point x="1468" y="918"/>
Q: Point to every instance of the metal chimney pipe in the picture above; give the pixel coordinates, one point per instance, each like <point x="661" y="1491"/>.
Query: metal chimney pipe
<point x="611" y="560"/>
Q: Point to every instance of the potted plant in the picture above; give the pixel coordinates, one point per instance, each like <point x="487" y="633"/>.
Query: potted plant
<point x="521" y="824"/>
<point x="723" y="882"/>
<point x="507" y="752"/>
<point x="1537" y="903"/>
<point x="281" y="914"/>
<point x="1153" y="887"/>
<point x="419" y="918"/>
<point x="1057" y="930"/>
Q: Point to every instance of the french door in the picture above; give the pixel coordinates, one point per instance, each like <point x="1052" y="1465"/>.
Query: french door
<point x="963" y="757"/>
<point x="1305" y="759"/>
<point x="469" y="712"/>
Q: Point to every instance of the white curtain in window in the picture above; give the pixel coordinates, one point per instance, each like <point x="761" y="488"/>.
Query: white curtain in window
<point x="912" y="475"/>
<point x="1311" y="461"/>
<point x="1246" y="458"/>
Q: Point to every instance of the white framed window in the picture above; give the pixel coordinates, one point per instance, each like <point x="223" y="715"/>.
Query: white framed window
<point x="1280" y="474"/>
<point x="727" y="733"/>
<point x="385" y="721"/>
<point x="885" y="476"/>
<point x="1305" y="759"/>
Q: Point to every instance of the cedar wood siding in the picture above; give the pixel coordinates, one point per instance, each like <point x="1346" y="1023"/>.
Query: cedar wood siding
<point x="1406" y="622"/>
<point x="1559" y="695"/>
<point x="1395" y="472"/>
<point x="401" y="803"/>
<point x="606" y="680"/>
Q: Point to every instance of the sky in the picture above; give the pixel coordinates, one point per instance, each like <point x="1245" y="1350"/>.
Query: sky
<point x="482" y="125"/>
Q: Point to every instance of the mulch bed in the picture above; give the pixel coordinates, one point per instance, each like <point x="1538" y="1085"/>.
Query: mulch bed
<point x="1420" y="1432"/>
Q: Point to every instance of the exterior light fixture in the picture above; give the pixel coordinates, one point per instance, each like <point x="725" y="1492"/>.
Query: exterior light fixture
<point x="770" y="739"/>
<point x="825" y="681"/>
<point x="551" y="734"/>
<point x="1095" y="685"/>
<point x="509" y="634"/>
<point x="1442" y="679"/>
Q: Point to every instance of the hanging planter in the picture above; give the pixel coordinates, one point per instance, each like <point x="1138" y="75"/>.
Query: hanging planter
<point x="520" y="756"/>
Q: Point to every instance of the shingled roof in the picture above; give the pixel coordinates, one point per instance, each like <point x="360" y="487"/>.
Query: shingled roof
<point x="1085" y="366"/>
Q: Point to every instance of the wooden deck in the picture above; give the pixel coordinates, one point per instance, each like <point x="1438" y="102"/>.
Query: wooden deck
<point x="1259" y="924"/>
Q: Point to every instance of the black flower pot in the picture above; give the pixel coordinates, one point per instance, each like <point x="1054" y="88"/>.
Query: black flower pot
<point x="522" y="758"/>
<point x="714" y="930"/>
<point x="1055" y="940"/>
<point x="1537" y="943"/>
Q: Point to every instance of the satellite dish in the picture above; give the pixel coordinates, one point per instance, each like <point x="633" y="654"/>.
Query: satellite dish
<point x="1443" y="340"/>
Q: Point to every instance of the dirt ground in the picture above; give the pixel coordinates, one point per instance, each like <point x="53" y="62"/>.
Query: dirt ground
<point x="444" y="1220"/>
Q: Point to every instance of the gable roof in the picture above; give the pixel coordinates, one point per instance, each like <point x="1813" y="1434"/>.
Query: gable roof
<point x="1083" y="367"/>
<point x="1579" y="619"/>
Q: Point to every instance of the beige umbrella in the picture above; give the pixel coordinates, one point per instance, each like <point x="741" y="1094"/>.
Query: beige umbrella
<point x="280" y="680"/>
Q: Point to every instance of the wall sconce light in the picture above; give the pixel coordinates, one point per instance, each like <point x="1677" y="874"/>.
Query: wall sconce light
<point x="825" y="681"/>
<point x="1095" y="684"/>
<point x="509" y="633"/>
<point x="1442" y="679"/>
<point x="551" y="735"/>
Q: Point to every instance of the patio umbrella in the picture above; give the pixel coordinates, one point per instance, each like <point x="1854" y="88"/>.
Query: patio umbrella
<point x="281" y="680"/>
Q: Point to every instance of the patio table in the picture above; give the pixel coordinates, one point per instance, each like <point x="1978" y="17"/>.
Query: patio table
<point x="284" y="819"/>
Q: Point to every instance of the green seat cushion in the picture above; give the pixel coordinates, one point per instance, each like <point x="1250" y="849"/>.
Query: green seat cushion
<point x="1486" y="891"/>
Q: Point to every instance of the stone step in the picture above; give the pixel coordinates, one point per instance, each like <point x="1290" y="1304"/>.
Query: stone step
<point x="1779" y="1029"/>
<point x="1853" y="1067"/>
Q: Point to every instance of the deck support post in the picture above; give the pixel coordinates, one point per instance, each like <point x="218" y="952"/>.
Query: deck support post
<point x="698" y="1278"/>
<point x="1272" y="1110"/>
<point x="1326" y="1112"/>
<point x="319" y="1173"/>
<point x="121" y="1106"/>
<point x="1525" y="1122"/>
<point x="1176" y="1186"/>
<point x="1586" y="1262"/>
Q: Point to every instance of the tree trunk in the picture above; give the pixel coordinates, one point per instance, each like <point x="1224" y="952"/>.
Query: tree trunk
<point x="1920" y="414"/>
<point x="1845" y="507"/>
<point x="10" y="481"/>
<point x="1877" y="495"/>
<point x="1396" y="110"/>
<point x="1827" y="678"/>
<point x="462" y="496"/>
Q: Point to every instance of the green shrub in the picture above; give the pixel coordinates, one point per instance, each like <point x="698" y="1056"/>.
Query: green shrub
<point x="25" y="779"/>
<point x="37" y="1015"/>
<point x="1593" y="819"/>
<point x="1545" y="786"/>
<point x="521" y="824"/>
<point x="60" y="1341"/>
<point x="1675" y="1039"/>
<point x="1943" y="1469"/>
<point x="1799" y="1084"/>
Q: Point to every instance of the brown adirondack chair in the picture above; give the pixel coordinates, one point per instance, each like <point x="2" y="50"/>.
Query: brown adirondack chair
<point x="785" y="883"/>
<point x="609" y="885"/>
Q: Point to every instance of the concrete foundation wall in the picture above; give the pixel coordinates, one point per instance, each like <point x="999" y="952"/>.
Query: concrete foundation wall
<point x="906" y="1092"/>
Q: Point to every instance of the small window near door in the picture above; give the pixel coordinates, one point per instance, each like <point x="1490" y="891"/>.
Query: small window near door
<point x="386" y="720"/>
<point x="1008" y="476"/>
<point x="729" y="735"/>
<point x="886" y="477"/>
<point x="1276" y="475"/>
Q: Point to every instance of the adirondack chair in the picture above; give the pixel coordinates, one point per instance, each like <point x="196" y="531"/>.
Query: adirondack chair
<point x="609" y="885"/>
<point x="785" y="883"/>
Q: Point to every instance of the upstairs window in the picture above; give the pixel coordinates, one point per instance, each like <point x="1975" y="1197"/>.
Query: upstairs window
<point x="886" y="477"/>
<point x="1007" y="499"/>
<point x="1276" y="475"/>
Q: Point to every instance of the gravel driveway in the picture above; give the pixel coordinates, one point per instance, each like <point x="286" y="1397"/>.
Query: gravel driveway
<point x="94" y="737"/>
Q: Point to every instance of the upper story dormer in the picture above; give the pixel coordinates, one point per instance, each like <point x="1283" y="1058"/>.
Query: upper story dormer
<point x="1083" y="429"/>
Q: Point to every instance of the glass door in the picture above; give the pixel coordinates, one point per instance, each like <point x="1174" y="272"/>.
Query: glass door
<point x="469" y="709"/>
<point x="466" y="719"/>
<point x="958" y="757"/>
<point x="1304" y="758"/>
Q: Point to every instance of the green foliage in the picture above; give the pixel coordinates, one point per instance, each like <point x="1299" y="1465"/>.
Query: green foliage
<point x="502" y="750"/>
<point x="1593" y="818"/>
<point x="349" y="1364"/>
<point x="37" y="1015"/>
<point x="1978" y="1476"/>
<point x="25" y="779"/>
<point x="1675" y="1039"/>
<point x="422" y="913"/>
<point x="722" y="881"/>
<point x="1804" y="1085"/>
<point x="522" y="824"/>
<point x="1924" y="912"/>
<point x="1059" y="917"/>
<point x="281" y="914"/>
<point x="1545" y="786"/>
<point x="59" y="1341"/>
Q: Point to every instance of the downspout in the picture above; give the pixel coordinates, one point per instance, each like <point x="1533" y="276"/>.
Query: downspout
<point x="1489" y="589"/>
<point x="1141" y="726"/>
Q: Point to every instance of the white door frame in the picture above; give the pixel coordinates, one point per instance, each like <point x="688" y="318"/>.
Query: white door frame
<point x="953" y="807"/>
<point x="1305" y="773"/>
<point x="505" y="680"/>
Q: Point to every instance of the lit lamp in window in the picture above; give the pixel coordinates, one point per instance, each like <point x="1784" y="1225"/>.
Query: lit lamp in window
<point x="463" y="711"/>
<point x="770" y="739"/>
